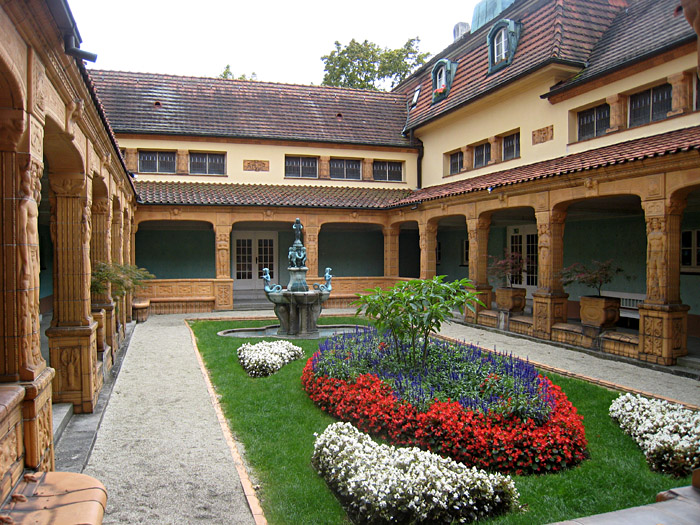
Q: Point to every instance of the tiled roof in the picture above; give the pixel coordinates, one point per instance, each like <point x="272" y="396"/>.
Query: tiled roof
<point x="221" y="194"/>
<point x="599" y="36"/>
<point x="640" y="31"/>
<point x="215" y="107"/>
<point x="639" y="149"/>
<point x="193" y="193"/>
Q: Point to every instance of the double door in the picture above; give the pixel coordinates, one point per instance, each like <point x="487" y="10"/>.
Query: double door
<point x="522" y="239"/>
<point x="253" y="251"/>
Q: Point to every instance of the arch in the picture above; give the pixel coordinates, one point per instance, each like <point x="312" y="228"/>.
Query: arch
<point x="60" y="152"/>
<point x="12" y="90"/>
<point x="352" y="249"/>
<point x="452" y="249"/>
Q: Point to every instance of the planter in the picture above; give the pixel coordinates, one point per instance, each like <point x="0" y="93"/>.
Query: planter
<point x="599" y="312"/>
<point x="511" y="299"/>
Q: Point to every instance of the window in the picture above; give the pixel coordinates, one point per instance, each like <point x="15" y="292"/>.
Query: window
<point x="156" y="161"/>
<point x="438" y="252"/>
<point x="387" y="170"/>
<point x="346" y="169"/>
<point x="593" y="122"/>
<point x="465" y="252"/>
<point x="502" y="41"/>
<point x="482" y="154"/>
<point x="207" y="163"/>
<point x="304" y="167"/>
<point x="511" y="146"/>
<point x="456" y="162"/>
<point x="690" y="250"/>
<point x="443" y="73"/>
<point x="650" y="105"/>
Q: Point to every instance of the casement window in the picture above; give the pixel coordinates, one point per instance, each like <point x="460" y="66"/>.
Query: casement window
<point x="301" y="167"/>
<point x="593" y="122"/>
<point x="350" y="169"/>
<point x="502" y="41"/>
<point x="207" y="163"/>
<point x="387" y="171"/>
<point x="650" y="105"/>
<point x="511" y="146"/>
<point x="465" y="252"/>
<point x="456" y="162"/>
<point x="443" y="74"/>
<point x="156" y="162"/>
<point x="482" y="154"/>
<point x="690" y="250"/>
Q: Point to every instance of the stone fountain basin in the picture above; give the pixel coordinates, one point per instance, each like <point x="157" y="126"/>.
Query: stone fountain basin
<point x="271" y="331"/>
<point x="289" y="297"/>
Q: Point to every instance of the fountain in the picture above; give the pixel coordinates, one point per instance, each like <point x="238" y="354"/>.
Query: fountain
<point x="297" y="307"/>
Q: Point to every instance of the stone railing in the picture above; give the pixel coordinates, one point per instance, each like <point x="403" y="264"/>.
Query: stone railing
<point x="172" y="296"/>
<point x="345" y="289"/>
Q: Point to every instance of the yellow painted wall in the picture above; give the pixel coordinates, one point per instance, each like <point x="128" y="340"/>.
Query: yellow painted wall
<point x="275" y="154"/>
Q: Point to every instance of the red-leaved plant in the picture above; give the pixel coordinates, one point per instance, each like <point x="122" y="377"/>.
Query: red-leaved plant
<point x="594" y="276"/>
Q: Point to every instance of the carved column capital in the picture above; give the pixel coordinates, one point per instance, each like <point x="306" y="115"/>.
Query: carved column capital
<point x="65" y="187"/>
<point x="12" y="126"/>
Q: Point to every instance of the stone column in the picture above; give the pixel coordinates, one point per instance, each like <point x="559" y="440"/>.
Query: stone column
<point x="126" y="258"/>
<point x="224" y="284"/>
<point x="496" y="149"/>
<point x="478" y="234"/>
<point x="311" y="244"/>
<point x="391" y="250"/>
<point x="618" y="112"/>
<point x="324" y="167"/>
<point x="663" y="320"/>
<point x="100" y="253"/>
<point x="682" y="98"/>
<point x="113" y="335"/>
<point x="72" y="336"/>
<point x="550" y="300"/>
<point x="428" y="243"/>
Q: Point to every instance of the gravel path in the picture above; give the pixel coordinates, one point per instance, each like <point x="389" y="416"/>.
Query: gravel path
<point x="160" y="450"/>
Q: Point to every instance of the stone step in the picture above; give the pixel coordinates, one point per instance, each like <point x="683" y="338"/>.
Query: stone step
<point x="689" y="362"/>
<point x="62" y="413"/>
<point x="252" y="304"/>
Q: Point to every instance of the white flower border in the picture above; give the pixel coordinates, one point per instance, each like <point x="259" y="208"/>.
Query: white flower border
<point x="382" y="483"/>
<point x="267" y="357"/>
<point x="667" y="433"/>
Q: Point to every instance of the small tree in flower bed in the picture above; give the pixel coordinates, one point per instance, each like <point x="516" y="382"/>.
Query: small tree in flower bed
<point x="484" y="409"/>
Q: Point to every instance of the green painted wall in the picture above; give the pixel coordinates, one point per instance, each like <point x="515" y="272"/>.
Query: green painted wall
<point x="46" y="259"/>
<point x="409" y="254"/>
<point x="690" y="282"/>
<point x="176" y="254"/>
<point x="359" y="254"/>
<point x="284" y="240"/>
<point x="451" y="254"/>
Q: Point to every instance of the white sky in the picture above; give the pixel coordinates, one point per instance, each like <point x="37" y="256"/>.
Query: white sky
<point x="279" y="41"/>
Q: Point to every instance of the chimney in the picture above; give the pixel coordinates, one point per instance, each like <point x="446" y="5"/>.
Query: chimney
<point x="460" y="29"/>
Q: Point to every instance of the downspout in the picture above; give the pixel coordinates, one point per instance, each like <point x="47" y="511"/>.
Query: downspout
<point x="419" y="161"/>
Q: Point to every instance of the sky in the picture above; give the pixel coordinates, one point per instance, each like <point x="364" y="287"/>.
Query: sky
<point x="278" y="41"/>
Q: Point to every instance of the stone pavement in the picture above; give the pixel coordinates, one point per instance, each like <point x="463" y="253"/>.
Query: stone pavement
<point x="161" y="451"/>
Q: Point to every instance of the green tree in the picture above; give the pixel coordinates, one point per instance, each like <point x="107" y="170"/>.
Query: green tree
<point x="228" y="74"/>
<point x="367" y="66"/>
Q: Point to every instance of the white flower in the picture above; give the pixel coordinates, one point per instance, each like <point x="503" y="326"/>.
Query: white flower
<point x="267" y="357"/>
<point x="386" y="483"/>
<point x="667" y="433"/>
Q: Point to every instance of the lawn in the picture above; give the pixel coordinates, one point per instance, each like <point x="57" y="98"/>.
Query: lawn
<point x="275" y="421"/>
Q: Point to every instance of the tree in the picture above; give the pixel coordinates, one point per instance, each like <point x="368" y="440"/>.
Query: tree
<point x="367" y="66"/>
<point x="228" y="74"/>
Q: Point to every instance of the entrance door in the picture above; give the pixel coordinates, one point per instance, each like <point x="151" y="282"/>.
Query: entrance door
<point x="253" y="251"/>
<point x="523" y="240"/>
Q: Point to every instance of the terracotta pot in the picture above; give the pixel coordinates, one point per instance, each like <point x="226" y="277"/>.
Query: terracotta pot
<point x="599" y="312"/>
<point x="511" y="299"/>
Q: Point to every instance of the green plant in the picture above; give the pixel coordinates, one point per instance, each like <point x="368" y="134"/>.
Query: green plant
<point x="123" y="278"/>
<point x="411" y="310"/>
<point x="594" y="276"/>
<point x="507" y="267"/>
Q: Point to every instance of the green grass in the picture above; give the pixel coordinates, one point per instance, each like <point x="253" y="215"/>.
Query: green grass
<point x="275" y="420"/>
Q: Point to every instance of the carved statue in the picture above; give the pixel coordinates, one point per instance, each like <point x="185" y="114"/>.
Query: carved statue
<point x="297" y="256"/>
<point x="327" y="286"/>
<point x="691" y="11"/>
<point x="297" y="227"/>
<point x="656" y="257"/>
<point x="269" y="287"/>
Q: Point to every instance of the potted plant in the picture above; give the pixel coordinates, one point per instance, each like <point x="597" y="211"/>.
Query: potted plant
<point x="596" y="311"/>
<point x="505" y="269"/>
<point x="123" y="278"/>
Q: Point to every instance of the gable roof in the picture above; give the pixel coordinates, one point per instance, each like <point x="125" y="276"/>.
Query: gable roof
<point x="222" y="194"/>
<point x="214" y="107"/>
<point x="597" y="36"/>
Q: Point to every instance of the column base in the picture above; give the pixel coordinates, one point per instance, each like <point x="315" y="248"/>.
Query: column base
<point x="547" y="309"/>
<point x="663" y="332"/>
<point x="484" y="296"/>
<point x="73" y="352"/>
<point x="37" y="415"/>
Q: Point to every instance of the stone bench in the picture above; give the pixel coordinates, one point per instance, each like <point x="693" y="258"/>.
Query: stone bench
<point x="140" y="309"/>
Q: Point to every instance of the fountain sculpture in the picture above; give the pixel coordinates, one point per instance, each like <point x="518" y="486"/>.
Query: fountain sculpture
<point x="297" y="307"/>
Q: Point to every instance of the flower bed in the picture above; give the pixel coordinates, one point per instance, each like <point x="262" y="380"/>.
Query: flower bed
<point x="382" y="484"/>
<point x="267" y="357"/>
<point x="667" y="433"/>
<point x="480" y="432"/>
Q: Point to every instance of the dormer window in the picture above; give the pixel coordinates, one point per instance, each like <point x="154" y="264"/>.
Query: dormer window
<point x="502" y="40"/>
<point x="443" y="75"/>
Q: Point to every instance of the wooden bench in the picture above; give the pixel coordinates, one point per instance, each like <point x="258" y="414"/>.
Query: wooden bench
<point x="629" y="302"/>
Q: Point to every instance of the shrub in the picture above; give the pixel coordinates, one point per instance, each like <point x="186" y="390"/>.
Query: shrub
<point x="667" y="433"/>
<point x="267" y="357"/>
<point x="594" y="276"/>
<point x="382" y="484"/>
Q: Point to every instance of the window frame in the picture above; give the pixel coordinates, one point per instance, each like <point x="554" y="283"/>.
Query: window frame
<point x="516" y="146"/>
<point x="482" y="159"/>
<point x="655" y="111"/>
<point x="504" y="33"/>
<point x="345" y="168"/>
<point x="693" y="248"/>
<point x="208" y="161"/>
<point x="500" y="40"/>
<point x="600" y="121"/>
<point x="465" y="252"/>
<point x="301" y="158"/>
<point x="386" y="165"/>
<point x="457" y="156"/>
<point x="442" y="75"/>
<point x="158" y="161"/>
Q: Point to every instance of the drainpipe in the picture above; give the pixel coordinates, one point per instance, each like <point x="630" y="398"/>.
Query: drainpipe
<point x="76" y="52"/>
<point x="419" y="161"/>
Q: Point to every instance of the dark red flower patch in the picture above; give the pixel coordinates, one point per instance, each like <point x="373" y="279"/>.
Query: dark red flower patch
<point x="492" y="442"/>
